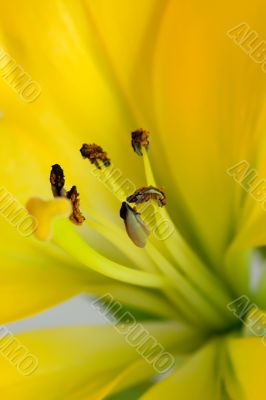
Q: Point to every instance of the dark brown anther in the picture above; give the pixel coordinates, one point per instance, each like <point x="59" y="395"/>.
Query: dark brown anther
<point x="57" y="180"/>
<point x="147" y="193"/>
<point x="140" y="138"/>
<point x="95" y="153"/>
<point x="76" y="217"/>
<point x="135" y="227"/>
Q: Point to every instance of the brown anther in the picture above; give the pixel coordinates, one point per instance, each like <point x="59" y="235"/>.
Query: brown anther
<point x="147" y="193"/>
<point x="57" y="180"/>
<point x="136" y="229"/>
<point x="140" y="138"/>
<point x="76" y="217"/>
<point x="95" y="153"/>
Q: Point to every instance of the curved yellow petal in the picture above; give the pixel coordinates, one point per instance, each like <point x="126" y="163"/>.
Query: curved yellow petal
<point x="242" y="255"/>
<point x="248" y="363"/>
<point x="137" y="373"/>
<point x="70" y="360"/>
<point x="196" y="378"/>
<point x="204" y="110"/>
<point x="34" y="278"/>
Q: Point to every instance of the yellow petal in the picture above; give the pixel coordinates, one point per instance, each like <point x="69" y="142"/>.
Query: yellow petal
<point x="137" y="372"/>
<point x="197" y="377"/>
<point x="194" y="114"/>
<point x="248" y="361"/>
<point x="31" y="283"/>
<point x="241" y="255"/>
<point x="71" y="359"/>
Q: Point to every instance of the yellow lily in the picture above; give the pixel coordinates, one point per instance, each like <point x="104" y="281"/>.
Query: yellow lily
<point x="98" y="71"/>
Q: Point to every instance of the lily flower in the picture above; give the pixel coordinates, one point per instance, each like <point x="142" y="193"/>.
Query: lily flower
<point x="168" y="220"/>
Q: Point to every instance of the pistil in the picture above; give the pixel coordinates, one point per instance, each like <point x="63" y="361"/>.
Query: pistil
<point x="69" y="240"/>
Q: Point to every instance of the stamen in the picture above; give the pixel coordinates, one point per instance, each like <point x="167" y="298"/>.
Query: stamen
<point x="187" y="260"/>
<point x="95" y="153"/>
<point x="69" y="240"/>
<point x="147" y="193"/>
<point x="76" y="217"/>
<point x="140" y="138"/>
<point x="57" y="180"/>
<point x="135" y="227"/>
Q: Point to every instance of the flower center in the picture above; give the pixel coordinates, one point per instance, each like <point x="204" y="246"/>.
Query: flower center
<point x="167" y="263"/>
